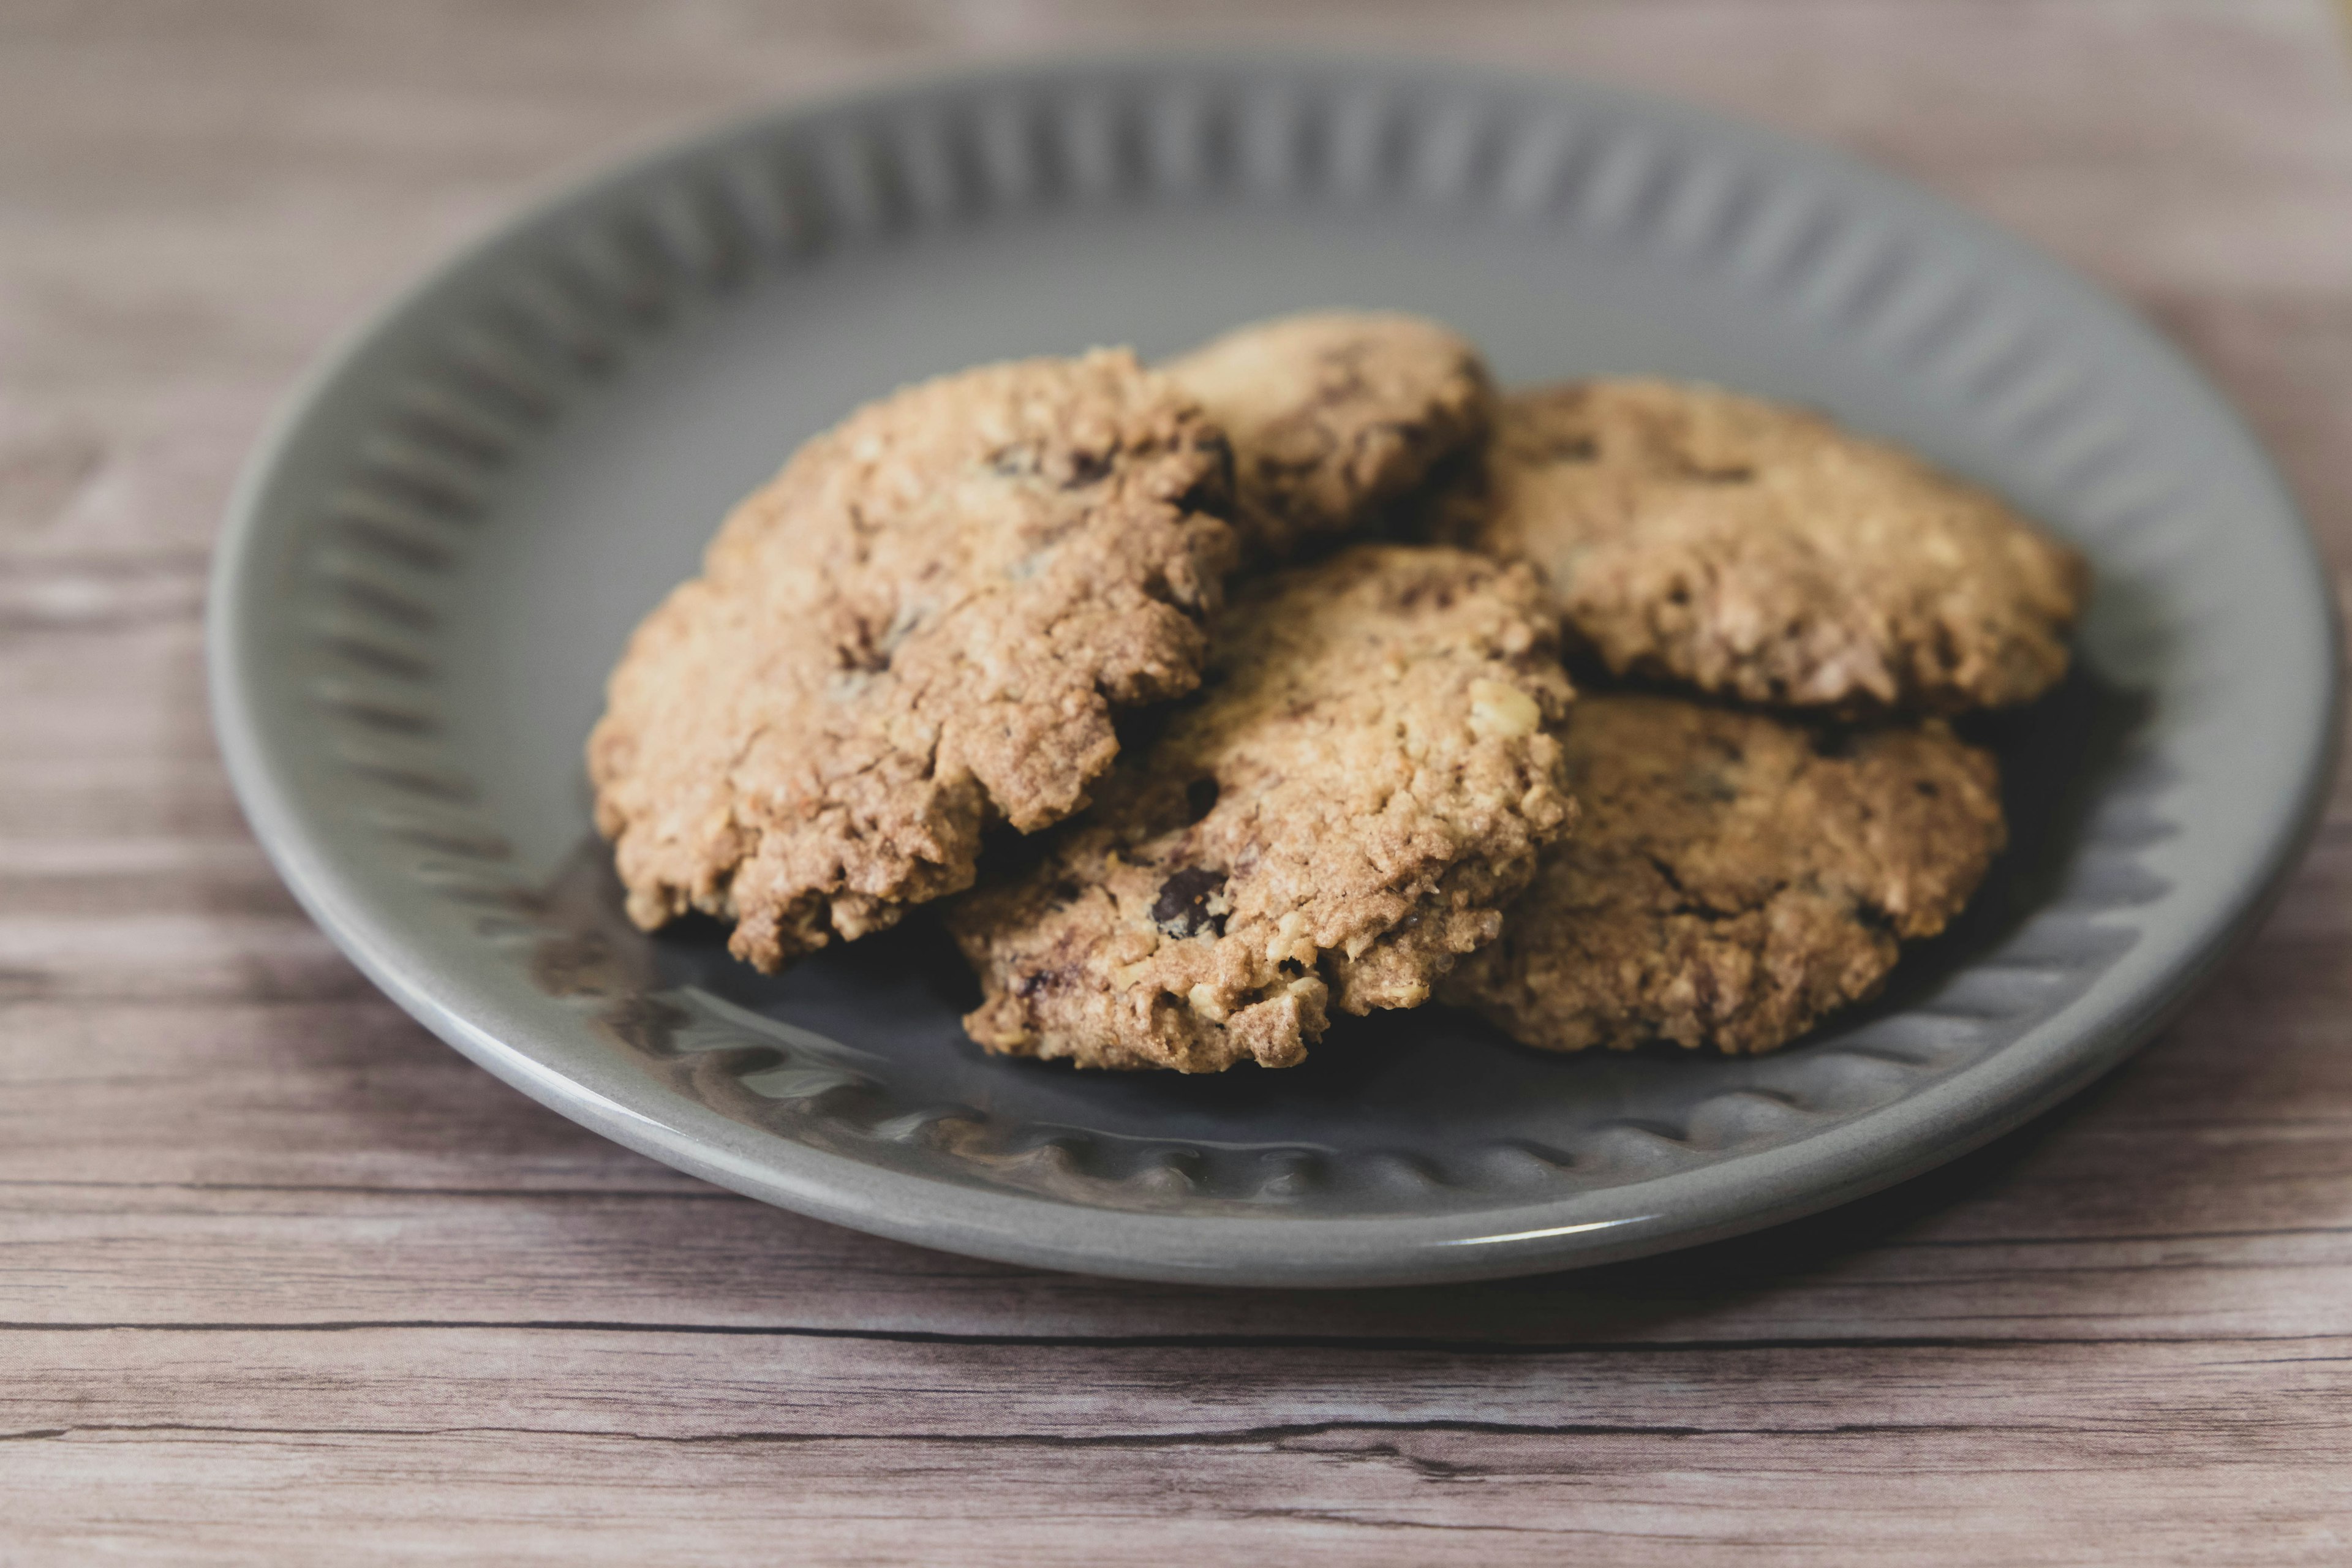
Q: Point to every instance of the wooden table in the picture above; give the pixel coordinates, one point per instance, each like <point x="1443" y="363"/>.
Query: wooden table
<point x="282" y="1278"/>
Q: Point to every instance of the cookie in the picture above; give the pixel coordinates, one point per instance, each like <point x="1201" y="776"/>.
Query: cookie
<point x="1335" y="416"/>
<point x="1363" y="782"/>
<point x="1735" y="876"/>
<point x="1760" y="552"/>
<point x="922" y="626"/>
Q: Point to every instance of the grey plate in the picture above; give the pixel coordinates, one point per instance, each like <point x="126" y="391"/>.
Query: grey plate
<point x="434" y="558"/>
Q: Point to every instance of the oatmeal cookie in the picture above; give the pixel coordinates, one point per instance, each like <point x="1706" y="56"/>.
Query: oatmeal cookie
<point x="1760" y="552"/>
<point x="1364" y="780"/>
<point x="1735" y="876"/>
<point x="924" y="623"/>
<point x="1336" y="415"/>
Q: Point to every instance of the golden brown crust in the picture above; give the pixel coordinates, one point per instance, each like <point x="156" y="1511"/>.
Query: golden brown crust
<point x="1760" y="552"/>
<point x="923" y="623"/>
<point x="1363" y="782"/>
<point x="1334" y="415"/>
<point x="1734" y="876"/>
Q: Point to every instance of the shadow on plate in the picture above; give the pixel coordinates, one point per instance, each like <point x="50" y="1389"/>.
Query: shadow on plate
<point x="860" y="1050"/>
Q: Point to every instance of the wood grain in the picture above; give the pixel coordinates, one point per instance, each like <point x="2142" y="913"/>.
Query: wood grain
<point x="283" y="1278"/>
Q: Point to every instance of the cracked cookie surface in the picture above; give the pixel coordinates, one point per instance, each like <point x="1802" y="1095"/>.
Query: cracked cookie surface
<point x="923" y="625"/>
<point x="1734" y="876"/>
<point x="1760" y="552"/>
<point x="1364" y="780"/>
<point x="1334" y="415"/>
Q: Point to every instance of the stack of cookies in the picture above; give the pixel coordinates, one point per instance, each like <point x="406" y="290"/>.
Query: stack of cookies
<point x="1249" y="674"/>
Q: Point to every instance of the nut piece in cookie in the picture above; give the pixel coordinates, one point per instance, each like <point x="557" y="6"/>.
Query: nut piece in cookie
<point x="1734" y="876"/>
<point x="1336" y="415"/>
<point x="1363" y="782"/>
<point x="1760" y="552"/>
<point x="923" y="625"/>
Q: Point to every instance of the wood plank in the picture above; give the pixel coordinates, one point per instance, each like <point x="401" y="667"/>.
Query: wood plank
<point x="683" y="1386"/>
<point x="904" y="1446"/>
<point x="315" y="1089"/>
<point x="1346" y="1495"/>
<point x="263" y="1259"/>
<point x="291" y="1132"/>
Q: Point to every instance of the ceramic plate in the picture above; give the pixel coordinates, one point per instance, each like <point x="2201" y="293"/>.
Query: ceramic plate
<point x="437" y="555"/>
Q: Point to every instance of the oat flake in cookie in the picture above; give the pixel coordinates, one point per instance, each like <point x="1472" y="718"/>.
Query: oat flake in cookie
<point x="1364" y="780"/>
<point x="1734" y="877"/>
<point x="1335" y="415"/>
<point x="1760" y="552"/>
<point x="923" y="624"/>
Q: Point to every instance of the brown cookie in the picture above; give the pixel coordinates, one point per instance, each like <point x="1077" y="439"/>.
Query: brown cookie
<point x="923" y="625"/>
<point x="1364" y="780"/>
<point x="1334" y="415"/>
<point x="1760" y="552"/>
<point x="1734" y="877"/>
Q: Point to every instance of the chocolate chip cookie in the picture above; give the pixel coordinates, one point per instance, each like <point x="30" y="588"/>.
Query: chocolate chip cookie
<point x="923" y="625"/>
<point x="1363" y="781"/>
<point x="1335" y="416"/>
<point x="1735" y="876"/>
<point x="1760" y="552"/>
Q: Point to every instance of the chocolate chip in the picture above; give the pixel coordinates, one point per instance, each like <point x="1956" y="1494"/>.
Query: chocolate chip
<point x="1833" y="743"/>
<point x="1184" y="905"/>
<point x="1085" y="469"/>
<point x="1200" y="799"/>
<point x="1213" y="492"/>
<point x="861" y="654"/>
